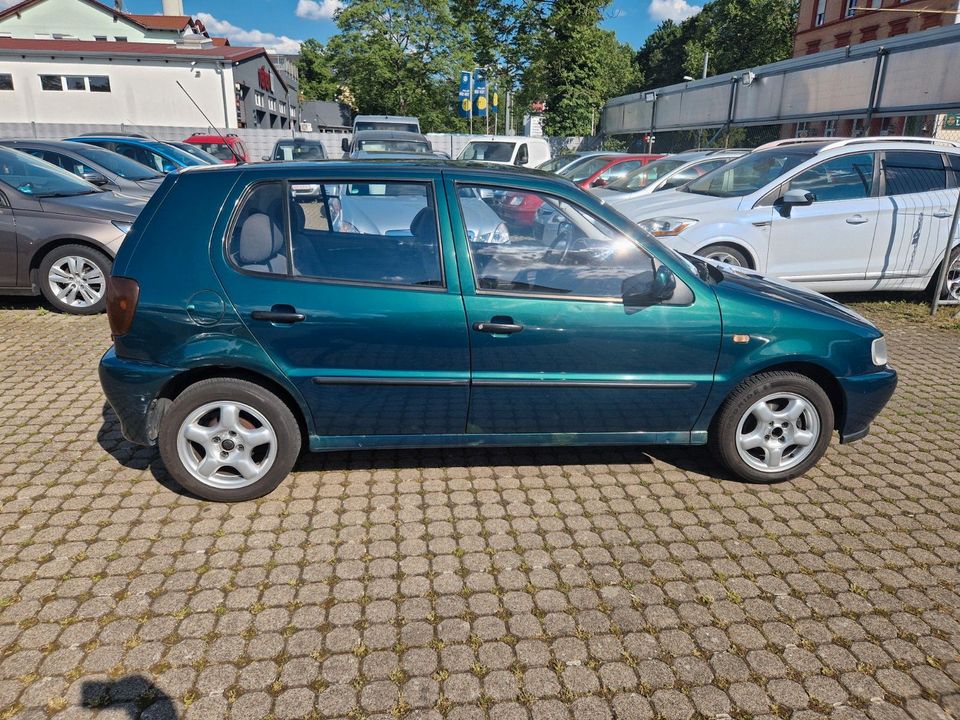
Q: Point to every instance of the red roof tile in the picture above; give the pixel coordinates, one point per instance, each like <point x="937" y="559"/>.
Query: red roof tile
<point x="161" y="22"/>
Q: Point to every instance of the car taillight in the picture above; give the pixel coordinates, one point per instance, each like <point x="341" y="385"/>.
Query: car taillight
<point x="122" y="296"/>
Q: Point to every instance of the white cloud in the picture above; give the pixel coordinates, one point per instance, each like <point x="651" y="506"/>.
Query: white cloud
<point x="238" y="36"/>
<point x="675" y="10"/>
<point x="318" y="9"/>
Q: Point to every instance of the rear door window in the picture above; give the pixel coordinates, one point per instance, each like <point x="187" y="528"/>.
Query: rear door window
<point x="383" y="233"/>
<point x="913" y="172"/>
<point x="848" y="177"/>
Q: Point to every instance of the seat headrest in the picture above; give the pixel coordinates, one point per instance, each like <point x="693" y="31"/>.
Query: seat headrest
<point x="260" y="239"/>
<point x="424" y="224"/>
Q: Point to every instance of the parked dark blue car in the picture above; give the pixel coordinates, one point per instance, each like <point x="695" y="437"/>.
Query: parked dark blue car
<point x="353" y="305"/>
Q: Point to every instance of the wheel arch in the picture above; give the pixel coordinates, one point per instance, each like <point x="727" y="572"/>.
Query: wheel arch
<point x="37" y="258"/>
<point x="820" y="375"/>
<point x="177" y="384"/>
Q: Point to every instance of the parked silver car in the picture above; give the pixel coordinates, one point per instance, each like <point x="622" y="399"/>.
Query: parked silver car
<point x="58" y="233"/>
<point x="668" y="172"/>
<point x="103" y="168"/>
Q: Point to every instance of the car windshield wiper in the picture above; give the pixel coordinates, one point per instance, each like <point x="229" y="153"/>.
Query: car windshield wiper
<point x="66" y="194"/>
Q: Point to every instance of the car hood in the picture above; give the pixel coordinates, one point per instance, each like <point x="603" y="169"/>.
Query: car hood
<point x="743" y="280"/>
<point x="102" y="205"/>
<point x="674" y="203"/>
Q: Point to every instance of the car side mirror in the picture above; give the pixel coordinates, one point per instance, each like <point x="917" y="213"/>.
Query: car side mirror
<point x="169" y="167"/>
<point x="798" y="197"/>
<point x="599" y="182"/>
<point x="345" y="144"/>
<point x="95" y="178"/>
<point x="650" y="287"/>
<point x="265" y="158"/>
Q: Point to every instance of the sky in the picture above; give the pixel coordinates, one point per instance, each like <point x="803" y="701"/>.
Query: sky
<point x="282" y="24"/>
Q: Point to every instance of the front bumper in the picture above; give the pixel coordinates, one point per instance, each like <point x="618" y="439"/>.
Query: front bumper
<point x="865" y="397"/>
<point x="132" y="389"/>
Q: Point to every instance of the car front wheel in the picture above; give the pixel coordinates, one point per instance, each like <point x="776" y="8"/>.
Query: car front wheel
<point x="774" y="426"/>
<point x="229" y="440"/>
<point x="726" y="254"/>
<point x="73" y="278"/>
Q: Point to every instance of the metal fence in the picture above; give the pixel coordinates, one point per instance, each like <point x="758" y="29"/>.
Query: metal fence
<point x="258" y="141"/>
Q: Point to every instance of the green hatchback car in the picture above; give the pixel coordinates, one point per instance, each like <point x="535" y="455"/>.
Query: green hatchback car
<point x="351" y="305"/>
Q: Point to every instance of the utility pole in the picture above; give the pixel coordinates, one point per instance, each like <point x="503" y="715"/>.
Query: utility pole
<point x="706" y="62"/>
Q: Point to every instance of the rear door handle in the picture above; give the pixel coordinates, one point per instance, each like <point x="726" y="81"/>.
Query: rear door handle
<point x="286" y="314"/>
<point x="498" y="328"/>
<point x="857" y="220"/>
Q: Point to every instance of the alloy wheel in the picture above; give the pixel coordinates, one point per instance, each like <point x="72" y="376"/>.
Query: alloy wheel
<point x="77" y="281"/>
<point x="778" y="432"/>
<point x="227" y="445"/>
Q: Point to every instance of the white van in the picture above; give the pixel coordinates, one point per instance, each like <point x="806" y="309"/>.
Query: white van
<point x="507" y="150"/>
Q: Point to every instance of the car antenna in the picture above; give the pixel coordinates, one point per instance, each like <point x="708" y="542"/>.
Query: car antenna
<point x="236" y="155"/>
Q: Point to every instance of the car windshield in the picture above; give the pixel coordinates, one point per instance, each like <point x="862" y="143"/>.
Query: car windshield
<point x="117" y="164"/>
<point x="639" y="179"/>
<point x="181" y="157"/>
<point x="219" y="150"/>
<point x="308" y="150"/>
<point x="747" y="174"/>
<point x="391" y="146"/>
<point x="582" y="170"/>
<point x="385" y="125"/>
<point x="554" y="163"/>
<point x="491" y="151"/>
<point x="37" y="178"/>
<point x="197" y="153"/>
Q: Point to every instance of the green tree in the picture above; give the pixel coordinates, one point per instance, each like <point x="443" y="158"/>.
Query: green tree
<point x="401" y="58"/>
<point x="316" y="75"/>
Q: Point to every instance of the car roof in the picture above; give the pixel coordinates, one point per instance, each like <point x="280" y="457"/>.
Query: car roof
<point x="51" y="144"/>
<point x="211" y="138"/>
<point x="119" y="138"/>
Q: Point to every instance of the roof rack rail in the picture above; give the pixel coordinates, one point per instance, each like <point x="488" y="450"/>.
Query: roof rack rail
<point x="889" y="138"/>
<point x="794" y="141"/>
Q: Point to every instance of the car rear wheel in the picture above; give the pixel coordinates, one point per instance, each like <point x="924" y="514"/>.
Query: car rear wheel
<point x="774" y="426"/>
<point x="229" y="440"/>
<point x="726" y="254"/>
<point x="951" y="288"/>
<point x="73" y="278"/>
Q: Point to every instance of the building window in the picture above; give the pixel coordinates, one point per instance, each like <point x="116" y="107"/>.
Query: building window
<point x="51" y="82"/>
<point x="899" y="27"/>
<point x="830" y="128"/>
<point x="258" y="99"/>
<point x="76" y="82"/>
<point x="6" y="81"/>
<point x="120" y="38"/>
<point x="283" y="108"/>
<point x="99" y="83"/>
<point x="272" y="104"/>
<point x="100" y="38"/>
<point x="802" y="130"/>
<point x="813" y="47"/>
<point x="931" y="20"/>
<point x="821" y="13"/>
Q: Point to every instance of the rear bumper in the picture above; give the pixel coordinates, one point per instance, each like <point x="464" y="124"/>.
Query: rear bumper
<point x="865" y="397"/>
<point x="132" y="389"/>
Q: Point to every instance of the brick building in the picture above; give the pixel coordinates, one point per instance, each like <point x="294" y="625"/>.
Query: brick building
<point x="829" y="24"/>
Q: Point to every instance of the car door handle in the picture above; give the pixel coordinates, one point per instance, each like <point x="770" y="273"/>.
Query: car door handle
<point x="941" y="213"/>
<point x="279" y="314"/>
<point x="498" y="328"/>
<point x="857" y="220"/>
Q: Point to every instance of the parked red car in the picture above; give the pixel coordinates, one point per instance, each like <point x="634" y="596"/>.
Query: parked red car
<point x="227" y="148"/>
<point x="520" y="209"/>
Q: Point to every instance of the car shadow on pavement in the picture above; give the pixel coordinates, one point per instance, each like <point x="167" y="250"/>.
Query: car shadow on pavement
<point x="133" y="694"/>
<point x="694" y="460"/>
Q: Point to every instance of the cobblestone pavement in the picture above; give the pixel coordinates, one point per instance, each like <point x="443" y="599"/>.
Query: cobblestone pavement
<point x="541" y="584"/>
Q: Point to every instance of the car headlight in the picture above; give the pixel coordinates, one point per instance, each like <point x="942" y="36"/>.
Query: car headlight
<point x="123" y="227"/>
<point x="878" y="351"/>
<point x="498" y="236"/>
<point x="666" y="226"/>
<point x="516" y="200"/>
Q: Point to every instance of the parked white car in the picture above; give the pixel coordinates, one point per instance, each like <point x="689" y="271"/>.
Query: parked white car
<point x="834" y="215"/>
<point x="666" y="173"/>
<point x="507" y="150"/>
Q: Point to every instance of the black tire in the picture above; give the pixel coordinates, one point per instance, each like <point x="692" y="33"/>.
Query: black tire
<point x="953" y="269"/>
<point x="92" y="259"/>
<point x="729" y="251"/>
<point x="230" y="390"/>
<point x="726" y="424"/>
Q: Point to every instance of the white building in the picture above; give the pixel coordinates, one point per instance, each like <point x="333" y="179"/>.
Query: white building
<point x="82" y="62"/>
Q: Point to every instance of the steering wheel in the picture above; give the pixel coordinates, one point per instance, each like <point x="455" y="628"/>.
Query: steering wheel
<point x="564" y="236"/>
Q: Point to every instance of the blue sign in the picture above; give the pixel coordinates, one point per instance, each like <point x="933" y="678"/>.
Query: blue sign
<point x="464" y="100"/>
<point x="480" y="93"/>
